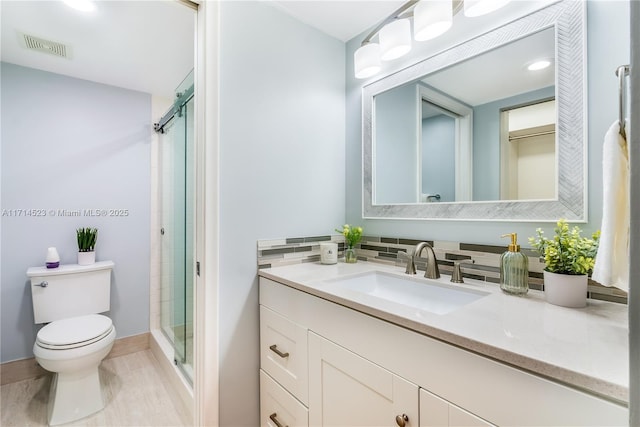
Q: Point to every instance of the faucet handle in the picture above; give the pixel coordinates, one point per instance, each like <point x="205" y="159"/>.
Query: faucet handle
<point x="456" y="276"/>
<point x="411" y="266"/>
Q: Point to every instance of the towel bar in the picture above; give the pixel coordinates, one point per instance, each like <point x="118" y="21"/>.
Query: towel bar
<point x="622" y="71"/>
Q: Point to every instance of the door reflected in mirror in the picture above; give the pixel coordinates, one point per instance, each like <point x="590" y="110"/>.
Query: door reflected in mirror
<point x="438" y="154"/>
<point x="451" y="136"/>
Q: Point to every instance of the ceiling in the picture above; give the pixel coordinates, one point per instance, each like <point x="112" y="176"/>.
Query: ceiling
<point x="149" y="45"/>
<point x="146" y="45"/>
<point x="139" y="45"/>
<point x="342" y="20"/>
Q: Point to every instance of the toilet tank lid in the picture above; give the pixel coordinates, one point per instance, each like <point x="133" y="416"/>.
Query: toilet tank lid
<point x="68" y="269"/>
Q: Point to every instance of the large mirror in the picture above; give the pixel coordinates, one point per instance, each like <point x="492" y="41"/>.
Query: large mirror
<point x="474" y="133"/>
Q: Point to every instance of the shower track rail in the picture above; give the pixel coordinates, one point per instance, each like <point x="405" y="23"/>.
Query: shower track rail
<point x="181" y="99"/>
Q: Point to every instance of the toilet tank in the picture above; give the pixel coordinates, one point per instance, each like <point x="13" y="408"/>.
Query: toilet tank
<point x="71" y="290"/>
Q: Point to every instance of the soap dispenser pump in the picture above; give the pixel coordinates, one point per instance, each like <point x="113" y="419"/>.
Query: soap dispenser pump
<point x="514" y="268"/>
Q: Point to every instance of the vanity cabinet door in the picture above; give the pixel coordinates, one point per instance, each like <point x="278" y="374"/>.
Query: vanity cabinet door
<point x="278" y="408"/>
<point x="283" y="352"/>
<point x="348" y="390"/>
<point x="437" y="412"/>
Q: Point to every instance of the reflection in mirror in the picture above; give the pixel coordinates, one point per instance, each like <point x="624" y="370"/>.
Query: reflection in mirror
<point x="528" y="152"/>
<point x="453" y="122"/>
<point x="445" y="130"/>
<point x="438" y="130"/>
<point x="483" y="130"/>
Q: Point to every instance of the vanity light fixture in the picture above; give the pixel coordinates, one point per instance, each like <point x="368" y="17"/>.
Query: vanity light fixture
<point x="82" y="5"/>
<point x="431" y="18"/>
<point x="395" y="39"/>
<point x="538" y="65"/>
<point x="367" y="60"/>
<point x="473" y="8"/>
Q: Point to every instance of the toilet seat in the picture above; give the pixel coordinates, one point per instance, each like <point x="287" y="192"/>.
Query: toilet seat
<point x="74" y="332"/>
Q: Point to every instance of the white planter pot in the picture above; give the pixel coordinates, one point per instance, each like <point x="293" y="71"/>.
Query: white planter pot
<point x="566" y="290"/>
<point x="86" y="258"/>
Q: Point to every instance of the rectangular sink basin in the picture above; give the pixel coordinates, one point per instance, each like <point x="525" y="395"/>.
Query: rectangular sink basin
<point x="410" y="292"/>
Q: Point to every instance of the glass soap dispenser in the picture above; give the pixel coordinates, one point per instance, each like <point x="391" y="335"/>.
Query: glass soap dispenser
<point x="514" y="268"/>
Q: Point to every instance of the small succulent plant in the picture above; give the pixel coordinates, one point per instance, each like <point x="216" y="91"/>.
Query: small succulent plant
<point x="87" y="239"/>
<point x="567" y="252"/>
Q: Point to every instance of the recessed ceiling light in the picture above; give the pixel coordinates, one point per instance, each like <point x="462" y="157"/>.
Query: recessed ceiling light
<point x="83" y="5"/>
<point x="539" y="65"/>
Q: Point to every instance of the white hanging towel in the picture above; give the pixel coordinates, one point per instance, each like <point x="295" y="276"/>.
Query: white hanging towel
<point x="612" y="262"/>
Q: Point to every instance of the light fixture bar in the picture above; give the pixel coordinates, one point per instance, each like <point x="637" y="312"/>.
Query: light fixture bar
<point x="397" y="14"/>
<point x="404" y="11"/>
<point x="431" y="19"/>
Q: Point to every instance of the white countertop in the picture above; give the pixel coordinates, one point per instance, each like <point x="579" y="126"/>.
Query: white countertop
<point x="586" y="348"/>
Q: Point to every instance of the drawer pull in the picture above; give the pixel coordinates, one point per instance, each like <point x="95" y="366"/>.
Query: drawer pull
<point x="274" y="348"/>
<point x="273" y="418"/>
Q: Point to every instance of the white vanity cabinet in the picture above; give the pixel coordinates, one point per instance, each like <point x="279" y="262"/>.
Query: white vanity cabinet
<point x="278" y="407"/>
<point x="283" y="352"/>
<point x="283" y="371"/>
<point x="348" y="390"/>
<point x="437" y="412"/>
<point x="348" y="368"/>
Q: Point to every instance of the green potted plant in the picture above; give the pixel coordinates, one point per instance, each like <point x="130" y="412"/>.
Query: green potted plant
<point x="568" y="258"/>
<point x="352" y="236"/>
<point x="86" y="245"/>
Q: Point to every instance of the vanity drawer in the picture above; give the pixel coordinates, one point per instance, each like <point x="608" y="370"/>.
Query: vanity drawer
<point x="278" y="408"/>
<point x="283" y="352"/>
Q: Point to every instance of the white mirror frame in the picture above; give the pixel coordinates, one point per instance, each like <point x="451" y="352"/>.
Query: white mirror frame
<point x="569" y="20"/>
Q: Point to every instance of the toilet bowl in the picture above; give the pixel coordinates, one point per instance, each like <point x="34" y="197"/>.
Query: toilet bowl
<point x="73" y="349"/>
<point x="75" y="337"/>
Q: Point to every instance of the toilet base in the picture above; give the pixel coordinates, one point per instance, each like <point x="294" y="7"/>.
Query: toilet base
<point x="74" y="396"/>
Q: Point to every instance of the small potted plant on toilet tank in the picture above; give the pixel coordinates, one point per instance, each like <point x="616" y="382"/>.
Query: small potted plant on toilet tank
<point x="86" y="245"/>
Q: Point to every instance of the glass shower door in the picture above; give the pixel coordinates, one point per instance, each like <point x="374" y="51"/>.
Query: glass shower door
<point x="177" y="233"/>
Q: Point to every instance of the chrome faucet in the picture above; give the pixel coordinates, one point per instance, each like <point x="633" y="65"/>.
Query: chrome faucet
<point x="431" y="271"/>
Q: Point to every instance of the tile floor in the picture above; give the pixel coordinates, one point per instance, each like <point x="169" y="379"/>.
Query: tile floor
<point x="134" y="392"/>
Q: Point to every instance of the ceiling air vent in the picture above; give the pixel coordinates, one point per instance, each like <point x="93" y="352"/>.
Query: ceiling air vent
<point x="42" y="45"/>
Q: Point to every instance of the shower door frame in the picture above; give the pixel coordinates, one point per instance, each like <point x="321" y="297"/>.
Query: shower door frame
<point x="206" y="90"/>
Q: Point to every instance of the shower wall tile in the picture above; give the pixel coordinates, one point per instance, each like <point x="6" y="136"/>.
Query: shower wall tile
<point x="384" y="250"/>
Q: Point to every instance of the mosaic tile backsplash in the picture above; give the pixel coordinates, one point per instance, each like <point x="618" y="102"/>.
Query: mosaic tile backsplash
<point x="486" y="267"/>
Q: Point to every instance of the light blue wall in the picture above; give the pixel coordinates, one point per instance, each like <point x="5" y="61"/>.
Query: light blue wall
<point x="608" y="47"/>
<point x="486" y="141"/>
<point x="395" y="146"/>
<point x="72" y="144"/>
<point x="282" y="169"/>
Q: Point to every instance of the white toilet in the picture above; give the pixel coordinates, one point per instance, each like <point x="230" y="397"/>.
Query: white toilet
<point x="76" y="338"/>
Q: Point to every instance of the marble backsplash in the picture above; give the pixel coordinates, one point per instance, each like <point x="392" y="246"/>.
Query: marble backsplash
<point x="486" y="267"/>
